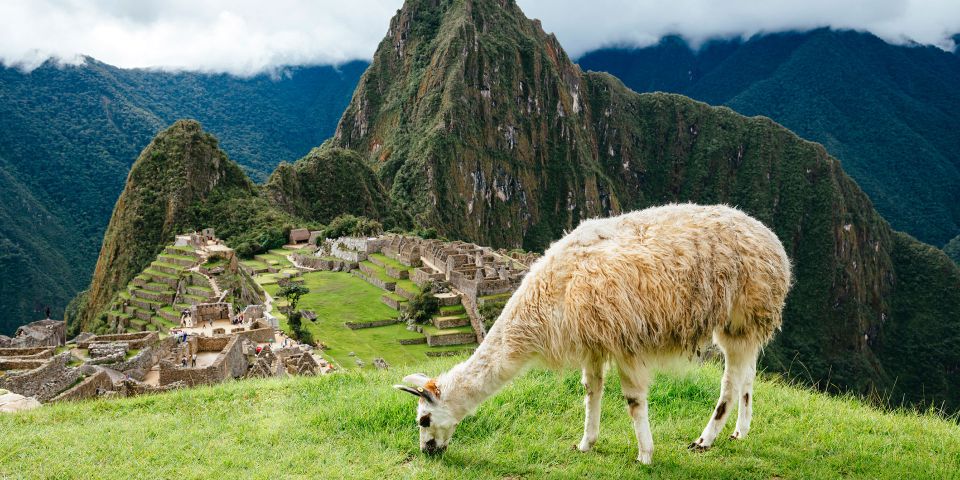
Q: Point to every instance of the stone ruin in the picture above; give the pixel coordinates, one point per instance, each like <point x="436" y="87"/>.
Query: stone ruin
<point x="208" y="312"/>
<point x="37" y="334"/>
<point x="473" y="270"/>
<point x="299" y="235"/>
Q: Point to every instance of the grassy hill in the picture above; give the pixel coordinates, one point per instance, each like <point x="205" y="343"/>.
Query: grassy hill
<point x="355" y="425"/>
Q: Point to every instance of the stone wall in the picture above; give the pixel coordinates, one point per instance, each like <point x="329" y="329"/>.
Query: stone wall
<point x="230" y="363"/>
<point x="375" y="280"/>
<point x="88" y="388"/>
<point x="145" y="359"/>
<point x="362" y="325"/>
<point x="353" y="249"/>
<point x="319" y="263"/>
<point x="365" y="245"/>
<point x="133" y="340"/>
<point x="258" y="335"/>
<point x="423" y="275"/>
<point x="391" y="302"/>
<point x="204" y="312"/>
<point x="27" y="353"/>
<point x="44" y="382"/>
<point x="451" y="339"/>
<point x="21" y="363"/>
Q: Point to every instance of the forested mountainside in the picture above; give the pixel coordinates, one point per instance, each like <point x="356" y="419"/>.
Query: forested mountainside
<point x="478" y="124"/>
<point x="68" y="135"/>
<point x="953" y="249"/>
<point x="887" y="112"/>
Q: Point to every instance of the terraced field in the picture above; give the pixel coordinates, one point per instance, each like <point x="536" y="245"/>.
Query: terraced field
<point x="151" y="301"/>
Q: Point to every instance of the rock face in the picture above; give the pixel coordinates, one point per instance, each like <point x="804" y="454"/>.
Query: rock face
<point x="478" y="124"/>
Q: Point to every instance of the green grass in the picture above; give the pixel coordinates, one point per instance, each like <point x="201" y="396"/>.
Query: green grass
<point x="452" y="310"/>
<point x="503" y="297"/>
<point x="408" y="285"/>
<point x="389" y="261"/>
<point x="431" y="330"/>
<point x="378" y="272"/>
<point x="339" y="297"/>
<point x="354" y="425"/>
<point x="178" y="257"/>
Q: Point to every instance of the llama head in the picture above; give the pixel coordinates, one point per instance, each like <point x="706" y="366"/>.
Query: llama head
<point x="436" y="421"/>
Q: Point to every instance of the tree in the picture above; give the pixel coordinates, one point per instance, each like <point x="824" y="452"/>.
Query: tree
<point x="292" y="292"/>
<point x="422" y="306"/>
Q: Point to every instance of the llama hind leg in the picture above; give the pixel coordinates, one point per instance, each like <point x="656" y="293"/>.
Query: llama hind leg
<point x="738" y="362"/>
<point x="593" y="373"/>
<point x="745" y="411"/>
<point x="635" y="381"/>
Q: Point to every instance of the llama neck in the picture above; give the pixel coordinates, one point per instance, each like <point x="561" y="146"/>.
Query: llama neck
<point x="492" y="365"/>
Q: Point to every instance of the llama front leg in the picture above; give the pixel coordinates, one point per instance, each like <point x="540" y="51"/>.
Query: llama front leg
<point x="593" y="384"/>
<point x="737" y="365"/>
<point x="635" y="381"/>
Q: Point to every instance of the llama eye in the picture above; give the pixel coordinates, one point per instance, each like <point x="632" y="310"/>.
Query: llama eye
<point x="425" y="420"/>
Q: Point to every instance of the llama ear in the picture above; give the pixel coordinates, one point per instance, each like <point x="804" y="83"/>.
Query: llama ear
<point x="416" y="379"/>
<point x="419" y="392"/>
<point x="411" y="391"/>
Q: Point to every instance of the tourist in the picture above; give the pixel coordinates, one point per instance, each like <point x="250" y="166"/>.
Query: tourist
<point x="194" y="361"/>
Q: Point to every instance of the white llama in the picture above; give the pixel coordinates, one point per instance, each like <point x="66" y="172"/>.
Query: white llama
<point x="638" y="289"/>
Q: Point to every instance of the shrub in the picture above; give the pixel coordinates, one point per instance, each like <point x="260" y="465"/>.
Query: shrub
<point x="352" y="226"/>
<point x="489" y="312"/>
<point x="422" y="307"/>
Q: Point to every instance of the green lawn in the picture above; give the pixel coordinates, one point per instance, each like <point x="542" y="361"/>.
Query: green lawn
<point x="339" y="297"/>
<point x="389" y="261"/>
<point x="354" y="425"/>
<point x="378" y="271"/>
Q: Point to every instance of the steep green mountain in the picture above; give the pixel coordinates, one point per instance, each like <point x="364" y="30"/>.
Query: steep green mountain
<point x="478" y="124"/>
<point x="886" y="111"/>
<point x="326" y="183"/>
<point x="181" y="181"/>
<point x="68" y="135"/>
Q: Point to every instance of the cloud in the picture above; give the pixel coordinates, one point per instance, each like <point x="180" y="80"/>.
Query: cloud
<point x="236" y="36"/>
<point x="245" y="37"/>
<point x="582" y="26"/>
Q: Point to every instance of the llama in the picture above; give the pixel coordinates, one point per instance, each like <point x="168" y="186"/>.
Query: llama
<point x="639" y="289"/>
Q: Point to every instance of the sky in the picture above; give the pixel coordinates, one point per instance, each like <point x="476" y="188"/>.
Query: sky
<point x="244" y="38"/>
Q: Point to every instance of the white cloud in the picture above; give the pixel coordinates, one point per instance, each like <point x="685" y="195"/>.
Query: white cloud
<point x="247" y="36"/>
<point x="582" y="26"/>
